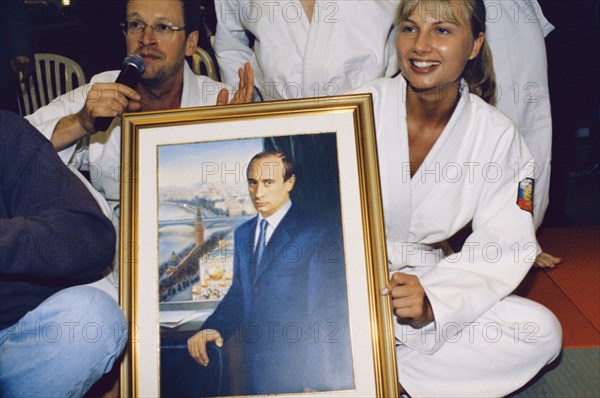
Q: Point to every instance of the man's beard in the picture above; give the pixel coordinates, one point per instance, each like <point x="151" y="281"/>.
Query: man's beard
<point x="162" y="76"/>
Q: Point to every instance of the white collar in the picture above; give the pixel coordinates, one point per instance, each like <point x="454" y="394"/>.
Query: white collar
<point x="191" y="92"/>
<point x="275" y="219"/>
<point x="199" y="90"/>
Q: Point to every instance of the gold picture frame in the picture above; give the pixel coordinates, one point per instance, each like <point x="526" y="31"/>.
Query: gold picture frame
<point x="144" y="137"/>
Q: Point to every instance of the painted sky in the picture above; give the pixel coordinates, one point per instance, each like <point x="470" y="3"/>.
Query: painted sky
<point x="184" y="165"/>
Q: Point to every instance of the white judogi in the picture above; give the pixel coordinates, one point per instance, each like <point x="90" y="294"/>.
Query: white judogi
<point x="100" y="153"/>
<point x="515" y="34"/>
<point x="480" y="344"/>
<point x="347" y="44"/>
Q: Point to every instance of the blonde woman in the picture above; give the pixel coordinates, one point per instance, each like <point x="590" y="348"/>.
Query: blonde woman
<point x="448" y="158"/>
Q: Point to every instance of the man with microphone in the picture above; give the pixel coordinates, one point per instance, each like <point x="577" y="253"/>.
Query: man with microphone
<point x="162" y="33"/>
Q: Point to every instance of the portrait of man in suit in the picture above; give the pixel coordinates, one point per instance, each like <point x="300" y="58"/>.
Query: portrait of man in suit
<point x="286" y="313"/>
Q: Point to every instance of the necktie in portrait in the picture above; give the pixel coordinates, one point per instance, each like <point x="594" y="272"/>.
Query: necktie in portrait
<point x="260" y="246"/>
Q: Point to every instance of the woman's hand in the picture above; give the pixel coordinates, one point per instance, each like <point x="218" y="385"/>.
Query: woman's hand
<point x="409" y="301"/>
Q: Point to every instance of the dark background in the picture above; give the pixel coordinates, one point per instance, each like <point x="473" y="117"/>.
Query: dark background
<point x="574" y="95"/>
<point x="88" y="32"/>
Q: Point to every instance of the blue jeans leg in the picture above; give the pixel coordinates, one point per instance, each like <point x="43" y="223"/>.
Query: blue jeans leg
<point x="63" y="346"/>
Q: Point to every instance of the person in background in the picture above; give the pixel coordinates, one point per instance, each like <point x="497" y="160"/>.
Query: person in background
<point x="515" y="33"/>
<point x="307" y="48"/>
<point x="57" y="336"/>
<point x="448" y="159"/>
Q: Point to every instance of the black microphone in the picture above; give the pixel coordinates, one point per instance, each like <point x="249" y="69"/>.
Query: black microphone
<point x="132" y="70"/>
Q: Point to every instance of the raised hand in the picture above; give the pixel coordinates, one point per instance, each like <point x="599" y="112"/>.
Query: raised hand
<point x="245" y="92"/>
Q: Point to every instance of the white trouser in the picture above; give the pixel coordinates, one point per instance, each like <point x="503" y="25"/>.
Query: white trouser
<point x="492" y="357"/>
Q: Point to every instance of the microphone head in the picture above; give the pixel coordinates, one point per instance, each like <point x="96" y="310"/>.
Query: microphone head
<point x="133" y="68"/>
<point x="136" y="61"/>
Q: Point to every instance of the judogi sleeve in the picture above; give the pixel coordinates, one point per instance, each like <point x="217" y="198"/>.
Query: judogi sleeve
<point x="390" y="54"/>
<point x="515" y="32"/>
<point x="231" y="41"/>
<point x="47" y="117"/>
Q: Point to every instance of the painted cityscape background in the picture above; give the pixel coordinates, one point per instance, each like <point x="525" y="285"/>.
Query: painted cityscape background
<point x="203" y="197"/>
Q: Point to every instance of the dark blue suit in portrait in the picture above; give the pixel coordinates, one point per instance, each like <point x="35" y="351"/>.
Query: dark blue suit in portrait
<point x="288" y="314"/>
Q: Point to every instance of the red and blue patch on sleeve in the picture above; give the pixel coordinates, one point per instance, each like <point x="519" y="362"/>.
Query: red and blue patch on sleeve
<point x="525" y="195"/>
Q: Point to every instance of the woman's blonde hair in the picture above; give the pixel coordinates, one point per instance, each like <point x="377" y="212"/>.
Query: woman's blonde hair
<point x="479" y="72"/>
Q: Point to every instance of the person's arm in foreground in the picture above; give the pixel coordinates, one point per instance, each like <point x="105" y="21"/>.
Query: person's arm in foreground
<point x="55" y="229"/>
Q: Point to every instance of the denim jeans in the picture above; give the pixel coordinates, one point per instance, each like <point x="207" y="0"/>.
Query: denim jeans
<point x="63" y="346"/>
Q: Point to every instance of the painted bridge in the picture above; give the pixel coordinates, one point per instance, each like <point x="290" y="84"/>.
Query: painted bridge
<point x="209" y="219"/>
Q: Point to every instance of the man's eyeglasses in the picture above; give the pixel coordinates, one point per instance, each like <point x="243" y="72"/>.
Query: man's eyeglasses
<point x="137" y="28"/>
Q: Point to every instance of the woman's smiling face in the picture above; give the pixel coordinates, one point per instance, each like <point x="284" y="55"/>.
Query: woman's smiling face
<point x="434" y="45"/>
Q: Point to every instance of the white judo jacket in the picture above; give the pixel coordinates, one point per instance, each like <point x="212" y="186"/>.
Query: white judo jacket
<point x="472" y="174"/>
<point x="347" y="44"/>
<point x="485" y="341"/>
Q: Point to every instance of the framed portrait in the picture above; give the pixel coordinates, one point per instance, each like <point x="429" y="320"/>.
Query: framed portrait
<point x="252" y="252"/>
